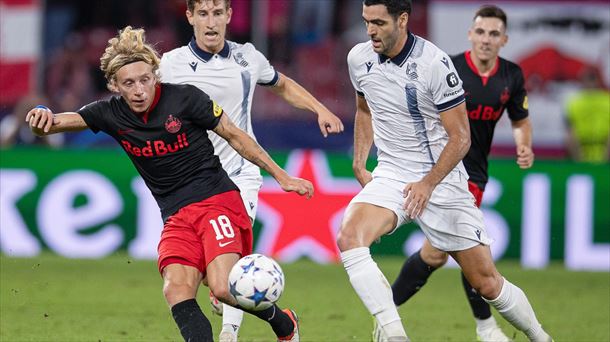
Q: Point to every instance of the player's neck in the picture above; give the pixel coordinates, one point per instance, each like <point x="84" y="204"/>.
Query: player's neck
<point x="484" y="67"/>
<point x="399" y="46"/>
<point x="210" y="50"/>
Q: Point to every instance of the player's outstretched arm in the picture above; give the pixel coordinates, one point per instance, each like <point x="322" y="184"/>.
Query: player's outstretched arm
<point x="298" y="97"/>
<point x="43" y="122"/>
<point x="363" y="140"/>
<point x="251" y="150"/>
<point x="522" y="133"/>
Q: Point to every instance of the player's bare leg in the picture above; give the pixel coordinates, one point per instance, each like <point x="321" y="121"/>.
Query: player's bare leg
<point x="510" y="301"/>
<point x="232" y="317"/>
<point x="220" y="267"/>
<point x="362" y="225"/>
<point x="180" y="284"/>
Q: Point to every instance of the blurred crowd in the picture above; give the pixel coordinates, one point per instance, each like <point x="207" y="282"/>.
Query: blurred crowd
<point x="307" y="39"/>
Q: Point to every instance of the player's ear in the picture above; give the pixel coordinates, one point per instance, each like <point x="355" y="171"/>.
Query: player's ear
<point x="112" y="86"/>
<point x="229" y="14"/>
<point x="189" y="17"/>
<point x="403" y="20"/>
<point x="505" y="40"/>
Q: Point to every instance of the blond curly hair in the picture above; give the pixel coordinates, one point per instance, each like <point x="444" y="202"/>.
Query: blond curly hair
<point x="126" y="48"/>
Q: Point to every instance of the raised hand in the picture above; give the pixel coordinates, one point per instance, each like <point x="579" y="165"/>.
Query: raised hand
<point x="40" y="119"/>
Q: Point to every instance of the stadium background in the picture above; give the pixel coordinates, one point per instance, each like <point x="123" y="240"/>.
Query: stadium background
<point x="84" y="200"/>
<point x="555" y="210"/>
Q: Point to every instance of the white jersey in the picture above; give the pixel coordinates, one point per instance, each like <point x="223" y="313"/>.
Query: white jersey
<point x="406" y="95"/>
<point x="229" y="78"/>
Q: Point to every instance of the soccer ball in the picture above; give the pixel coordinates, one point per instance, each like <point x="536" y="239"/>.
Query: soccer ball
<point x="256" y="282"/>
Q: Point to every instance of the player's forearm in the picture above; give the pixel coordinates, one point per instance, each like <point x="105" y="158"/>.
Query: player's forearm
<point x="252" y="151"/>
<point x="363" y="139"/>
<point x="62" y="122"/>
<point x="522" y="132"/>
<point x="296" y="95"/>
<point x="452" y="154"/>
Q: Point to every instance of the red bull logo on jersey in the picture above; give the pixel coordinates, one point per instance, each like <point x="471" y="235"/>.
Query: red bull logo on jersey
<point x="481" y="112"/>
<point x="156" y="147"/>
<point x="172" y="124"/>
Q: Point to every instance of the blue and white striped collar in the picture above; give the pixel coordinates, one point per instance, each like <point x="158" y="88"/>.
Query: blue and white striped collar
<point x="206" y="56"/>
<point x="404" y="53"/>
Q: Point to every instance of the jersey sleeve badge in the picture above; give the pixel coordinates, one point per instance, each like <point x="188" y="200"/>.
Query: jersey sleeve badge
<point x="217" y="109"/>
<point x="525" y="103"/>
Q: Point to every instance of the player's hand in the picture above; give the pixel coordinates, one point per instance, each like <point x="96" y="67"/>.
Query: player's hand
<point x="329" y="122"/>
<point x="301" y="186"/>
<point x="363" y="176"/>
<point x="416" y="197"/>
<point x="40" y="120"/>
<point x="525" y="157"/>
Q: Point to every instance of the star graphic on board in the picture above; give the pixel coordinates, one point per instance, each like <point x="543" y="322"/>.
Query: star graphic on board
<point x="294" y="226"/>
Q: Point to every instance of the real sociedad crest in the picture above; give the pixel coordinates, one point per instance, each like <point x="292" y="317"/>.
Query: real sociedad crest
<point x="239" y="59"/>
<point x="412" y="71"/>
<point x="172" y="124"/>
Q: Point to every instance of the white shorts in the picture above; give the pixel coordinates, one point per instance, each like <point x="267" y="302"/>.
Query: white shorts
<point x="249" y="185"/>
<point x="450" y="221"/>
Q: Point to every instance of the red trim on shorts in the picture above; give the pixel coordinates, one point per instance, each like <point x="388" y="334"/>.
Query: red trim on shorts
<point x="476" y="192"/>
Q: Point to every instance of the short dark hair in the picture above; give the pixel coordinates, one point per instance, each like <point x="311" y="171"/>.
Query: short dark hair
<point x="395" y="7"/>
<point x="190" y="4"/>
<point x="491" y="11"/>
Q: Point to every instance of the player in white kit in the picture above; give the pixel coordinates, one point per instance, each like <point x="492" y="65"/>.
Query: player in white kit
<point x="410" y="103"/>
<point x="229" y="72"/>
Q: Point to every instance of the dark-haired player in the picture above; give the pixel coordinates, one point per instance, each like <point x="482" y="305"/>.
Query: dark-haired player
<point x="410" y="103"/>
<point x="491" y="84"/>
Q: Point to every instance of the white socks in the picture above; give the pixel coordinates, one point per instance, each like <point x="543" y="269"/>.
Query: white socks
<point x="231" y="318"/>
<point x="513" y="305"/>
<point x="484" y="324"/>
<point x="373" y="289"/>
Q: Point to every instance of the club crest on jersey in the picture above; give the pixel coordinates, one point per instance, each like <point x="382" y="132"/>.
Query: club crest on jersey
<point x="217" y="109"/>
<point x="239" y="59"/>
<point x="172" y="124"/>
<point x="505" y="96"/>
<point x="412" y="71"/>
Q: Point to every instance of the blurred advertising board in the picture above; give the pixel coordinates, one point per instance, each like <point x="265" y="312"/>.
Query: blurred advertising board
<point x="91" y="203"/>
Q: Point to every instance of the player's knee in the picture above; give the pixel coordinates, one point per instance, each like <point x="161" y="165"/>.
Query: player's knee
<point x="223" y="294"/>
<point x="177" y="287"/>
<point x="177" y="292"/>
<point x="434" y="257"/>
<point x="488" y="287"/>
<point x="347" y="239"/>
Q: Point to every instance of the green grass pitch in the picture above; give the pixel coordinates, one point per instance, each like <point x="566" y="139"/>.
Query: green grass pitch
<point x="49" y="298"/>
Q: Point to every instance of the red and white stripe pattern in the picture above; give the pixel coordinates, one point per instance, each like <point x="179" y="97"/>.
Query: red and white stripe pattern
<point x="20" y="47"/>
